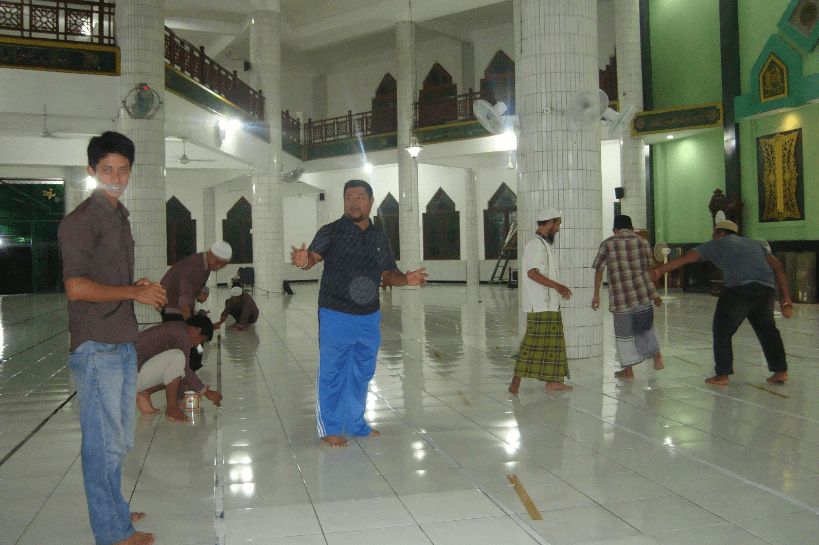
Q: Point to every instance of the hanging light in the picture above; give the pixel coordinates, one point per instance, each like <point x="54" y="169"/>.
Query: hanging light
<point x="510" y="165"/>
<point x="415" y="147"/>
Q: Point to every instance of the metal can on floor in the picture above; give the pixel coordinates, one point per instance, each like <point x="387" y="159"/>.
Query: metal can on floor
<point x="191" y="401"/>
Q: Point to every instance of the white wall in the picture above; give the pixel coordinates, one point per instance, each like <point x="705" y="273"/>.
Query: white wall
<point x="610" y="169"/>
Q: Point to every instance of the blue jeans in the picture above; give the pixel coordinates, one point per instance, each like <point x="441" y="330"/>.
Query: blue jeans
<point x="348" y="346"/>
<point x="755" y="302"/>
<point x="105" y="377"/>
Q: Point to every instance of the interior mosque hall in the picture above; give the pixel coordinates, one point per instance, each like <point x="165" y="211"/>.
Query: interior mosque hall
<point x="248" y="118"/>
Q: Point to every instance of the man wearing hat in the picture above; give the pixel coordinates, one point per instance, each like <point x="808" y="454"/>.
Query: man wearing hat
<point x="542" y="353"/>
<point x="627" y="258"/>
<point x="185" y="279"/>
<point x="357" y="257"/>
<point x="242" y="307"/>
<point x="751" y="276"/>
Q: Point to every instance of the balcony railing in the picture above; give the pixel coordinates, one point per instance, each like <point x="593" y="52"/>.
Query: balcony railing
<point x="72" y="21"/>
<point x="338" y="128"/>
<point x="449" y="110"/>
<point x="193" y="62"/>
<point x="291" y="127"/>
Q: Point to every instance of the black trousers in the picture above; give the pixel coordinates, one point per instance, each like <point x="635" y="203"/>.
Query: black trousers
<point x="755" y="302"/>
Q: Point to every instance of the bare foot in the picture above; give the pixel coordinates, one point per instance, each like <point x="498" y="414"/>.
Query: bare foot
<point x="550" y="385"/>
<point x="138" y="538"/>
<point x="144" y="404"/>
<point x="718" y="379"/>
<point x="513" y="387"/>
<point x="658" y="362"/>
<point x="625" y="373"/>
<point x="175" y="414"/>
<point x="375" y="433"/>
<point x="335" y="441"/>
<point x="778" y="378"/>
<point x="137" y="516"/>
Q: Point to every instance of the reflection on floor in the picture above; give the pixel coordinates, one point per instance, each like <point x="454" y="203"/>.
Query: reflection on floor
<point x="663" y="458"/>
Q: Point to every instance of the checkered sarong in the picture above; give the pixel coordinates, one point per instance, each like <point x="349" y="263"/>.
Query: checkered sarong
<point x="542" y="353"/>
<point x="634" y="335"/>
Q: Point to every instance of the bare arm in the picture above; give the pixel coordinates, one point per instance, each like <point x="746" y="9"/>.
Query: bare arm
<point x="535" y="275"/>
<point x="411" y="278"/>
<point x="782" y="283"/>
<point x="690" y="257"/>
<point x="303" y="258"/>
<point x="598" y="280"/>
<point x="143" y="291"/>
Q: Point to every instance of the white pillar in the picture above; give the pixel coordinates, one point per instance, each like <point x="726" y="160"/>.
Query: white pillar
<point x="141" y="40"/>
<point x="561" y="166"/>
<point x="630" y="88"/>
<point x="268" y="212"/>
<point x="472" y="248"/>
<point x="409" y="223"/>
<point x="468" y="67"/>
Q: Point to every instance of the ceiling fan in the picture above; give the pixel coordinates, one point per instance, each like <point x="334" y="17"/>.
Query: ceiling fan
<point x="45" y="133"/>
<point x="184" y="159"/>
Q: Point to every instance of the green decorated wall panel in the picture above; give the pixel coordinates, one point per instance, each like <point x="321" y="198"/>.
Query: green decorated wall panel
<point x="685" y="52"/>
<point x="690" y="169"/>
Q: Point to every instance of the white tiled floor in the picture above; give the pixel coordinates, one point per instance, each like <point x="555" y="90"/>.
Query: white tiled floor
<point x="664" y="458"/>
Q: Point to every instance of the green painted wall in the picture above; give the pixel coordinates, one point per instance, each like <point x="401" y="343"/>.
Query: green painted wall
<point x="685" y="53"/>
<point x="806" y="118"/>
<point x="688" y="170"/>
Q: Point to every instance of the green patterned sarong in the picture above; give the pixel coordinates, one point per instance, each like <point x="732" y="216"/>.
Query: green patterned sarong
<point x="542" y="353"/>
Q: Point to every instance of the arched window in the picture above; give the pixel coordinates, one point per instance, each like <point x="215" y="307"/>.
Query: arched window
<point x="180" y="230"/>
<point x="385" y="106"/>
<point x="500" y="214"/>
<point x="498" y="82"/>
<point x="442" y="228"/>
<point x="236" y="231"/>
<point x="388" y="219"/>
<point x="438" y="99"/>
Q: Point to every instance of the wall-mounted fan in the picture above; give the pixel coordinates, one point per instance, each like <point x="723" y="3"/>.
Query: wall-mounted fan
<point x="184" y="159"/>
<point x="142" y="102"/>
<point x="586" y="107"/>
<point x="492" y="118"/>
<point x="617" y="122"/>
<point x="293" y="175"/>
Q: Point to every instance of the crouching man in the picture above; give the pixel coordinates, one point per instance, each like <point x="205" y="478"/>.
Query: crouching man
<point x="163" y="356"/>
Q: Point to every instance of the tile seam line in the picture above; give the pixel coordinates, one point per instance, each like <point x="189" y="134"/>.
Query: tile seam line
<point x="724" y="471"/>
<point x="35" y="430"/>
<point x="494" y="499"/>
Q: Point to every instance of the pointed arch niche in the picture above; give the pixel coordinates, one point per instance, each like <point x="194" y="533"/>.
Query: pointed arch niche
<point x="438" y="99"/>
<point x="442" y="228"/>
<point x="498" y="82"/>
<point x="387" y="218"/>
<point x="385" y="106"/>
<point x="180" y="230"/>
<point x="236" y="231"/>
<point x="501" y="212"/>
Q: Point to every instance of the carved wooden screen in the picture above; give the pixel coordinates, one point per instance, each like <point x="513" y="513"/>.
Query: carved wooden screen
<point x="236" y="231"/>
<point x="385" y="106"/>
<point x="437" y="100"/>
<point x="180" y="230"/>
<point x="442" y="228"/>
<point x="500" y="214"/>
<point x="498" y="82"/>
<point x="388" y="220"/>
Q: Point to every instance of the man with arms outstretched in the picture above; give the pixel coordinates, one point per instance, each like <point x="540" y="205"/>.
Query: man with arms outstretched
<point x="357" y="257"/>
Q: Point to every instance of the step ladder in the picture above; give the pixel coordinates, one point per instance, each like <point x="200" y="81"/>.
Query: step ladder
<point x="505" y="254"/>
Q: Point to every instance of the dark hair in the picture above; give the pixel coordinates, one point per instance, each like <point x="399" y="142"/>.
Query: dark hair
<point x="359" y="183"/>
<point x="622" y="222"/>
<point x="203" y="323"/>
<point x="110" y="142"/>
<point x="726" y="231"/>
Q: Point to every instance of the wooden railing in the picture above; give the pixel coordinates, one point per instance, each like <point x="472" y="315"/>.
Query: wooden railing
<point x="450" y="110"/>
<point x="84" y="21"/>
<point x="193" y="62"/>
<point x="291" y="127"/>
<point x="338" y="128"/>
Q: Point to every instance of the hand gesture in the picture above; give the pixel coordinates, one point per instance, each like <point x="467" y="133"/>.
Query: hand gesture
<point x="299" y="256"/>
<point x="596" y="302"/>
<point x="214" y="396"/>
<point x="654" y="274"/>
<point x="417" y="278"/>
<point x="786" y="306"/>
<point x="217" y="325"/>
<point x="150" y="293"/>
<point x="564" y="292"/>
<point x="658" y="301"/>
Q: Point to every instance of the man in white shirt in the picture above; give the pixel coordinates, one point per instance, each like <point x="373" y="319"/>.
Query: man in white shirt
<point x="542" y="353"/>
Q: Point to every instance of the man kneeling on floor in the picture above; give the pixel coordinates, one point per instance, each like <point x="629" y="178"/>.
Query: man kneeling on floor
<point x="163" y="356"/>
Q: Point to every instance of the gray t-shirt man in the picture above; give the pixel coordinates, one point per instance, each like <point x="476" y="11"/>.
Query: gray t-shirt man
<point x="741" y="260"/>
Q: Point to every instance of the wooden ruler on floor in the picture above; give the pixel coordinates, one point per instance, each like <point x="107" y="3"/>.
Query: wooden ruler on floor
<point x="524" y="497"/>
